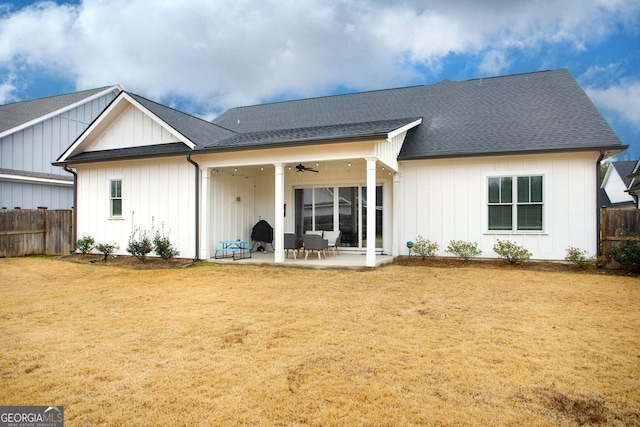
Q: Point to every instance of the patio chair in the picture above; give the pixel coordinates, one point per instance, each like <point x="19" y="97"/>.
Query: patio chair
<point x="293" y="242"/>
<point x="313" y="242"/>
<point x="334" y="241"/>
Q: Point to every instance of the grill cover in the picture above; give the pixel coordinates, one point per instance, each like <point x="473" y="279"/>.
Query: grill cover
<point x="262" y="232"/>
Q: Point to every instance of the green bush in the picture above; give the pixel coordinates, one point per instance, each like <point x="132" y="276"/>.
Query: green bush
<point x="514" y="253"/>
<point x="140" y="244"/>
<point x="85" y="244"/>
<point x="106" y="250"/>
<point x="464" y="250"/>
<point x="580" y="258"/>
<point x="424" y="247"/>
<point x="627" y="254"/>
<point x="163" y="247"/>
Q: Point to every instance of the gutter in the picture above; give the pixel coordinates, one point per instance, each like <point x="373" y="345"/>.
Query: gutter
<point x="75" y="205"/>
<point x="197" y="175"/>
<point x="598" y="209"/>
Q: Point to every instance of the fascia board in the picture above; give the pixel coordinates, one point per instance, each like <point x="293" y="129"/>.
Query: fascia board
<point x="160" y="122"/>
<point x="404" y="128"/>
<point x="60" y="111"/>
<point x="34" y="180"/>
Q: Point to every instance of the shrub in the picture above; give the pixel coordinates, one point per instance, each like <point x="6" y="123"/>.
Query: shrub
<point x="424" y="247"/>
<point x="140" y="244"/>
<point x="106" y="250"/>
<point x="85" y="244"/>
<point x="163" y="247"/>
<point x="627" y="254"/>
<point x="580" y="259"/>
<point x="514" y="253"/>
<point x="464" y="250"/>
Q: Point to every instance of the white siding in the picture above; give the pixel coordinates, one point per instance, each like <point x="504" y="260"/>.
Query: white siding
<point x="132" y="128"/>
<point x="162" y="190"/>
<point x="34" y="148"/>
<point x="446" y="200"/>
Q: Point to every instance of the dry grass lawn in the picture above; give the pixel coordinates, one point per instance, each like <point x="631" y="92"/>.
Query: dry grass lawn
<point x="272" y="346"/>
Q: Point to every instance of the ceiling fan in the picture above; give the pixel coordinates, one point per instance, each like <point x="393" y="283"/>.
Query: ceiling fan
<point x="301" y="168"/>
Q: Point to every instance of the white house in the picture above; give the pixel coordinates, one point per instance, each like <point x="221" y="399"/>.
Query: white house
<point x="512" y="158"/>
<point x="32" y="135"/>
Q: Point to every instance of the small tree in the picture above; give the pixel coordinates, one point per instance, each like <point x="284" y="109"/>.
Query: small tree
<point x="424" y="247"/>
<point x="464" y="250"/>
<point x="514" y="253"/>
<point x="106" y="250"/>
<point x="85" y="244"/>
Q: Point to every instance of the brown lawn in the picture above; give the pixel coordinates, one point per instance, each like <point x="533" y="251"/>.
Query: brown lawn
<point x="250" y="345"/>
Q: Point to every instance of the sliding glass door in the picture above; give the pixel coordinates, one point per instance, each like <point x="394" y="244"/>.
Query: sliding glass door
<point x="333" y="208"/>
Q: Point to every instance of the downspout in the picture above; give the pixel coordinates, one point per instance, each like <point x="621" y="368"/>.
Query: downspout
<point x="197" y="206"/>
<point x="75" y="205"/>
<point x="598" y="208"/>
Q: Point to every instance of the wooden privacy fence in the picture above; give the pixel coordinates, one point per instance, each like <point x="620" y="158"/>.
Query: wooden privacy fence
<point x="35" y="232"/>
<point x="619" y="225"/>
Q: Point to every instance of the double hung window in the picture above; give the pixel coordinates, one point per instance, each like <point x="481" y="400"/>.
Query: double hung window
<point x="115" y="198"/>
<point x="515" y="203"/>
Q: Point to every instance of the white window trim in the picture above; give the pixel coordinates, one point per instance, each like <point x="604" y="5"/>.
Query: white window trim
<point x="122" y="193"/>
<point x="546" y="184"/>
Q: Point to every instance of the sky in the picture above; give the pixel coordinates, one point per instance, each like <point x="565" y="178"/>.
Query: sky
<point x="205" y="56"/>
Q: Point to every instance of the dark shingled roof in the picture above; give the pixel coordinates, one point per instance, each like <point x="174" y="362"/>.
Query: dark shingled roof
<point x="146" y="151"/>
<point x="198" y="131"/>
<point x="311" y="134"/>
<point x="542" y="111"/>
<point x="15" y="114"/>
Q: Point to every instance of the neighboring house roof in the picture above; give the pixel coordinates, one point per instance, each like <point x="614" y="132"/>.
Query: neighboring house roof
<point x="615" y="184"/>
<point x="26" y="176"/>
<point x="544" y="111"/>
<point x="21" y="114"/>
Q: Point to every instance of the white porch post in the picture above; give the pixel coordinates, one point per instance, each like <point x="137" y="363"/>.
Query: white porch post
<point x="396" y="212"/>
<point x="278" y="231"/>
<point x="205" y="247"/>
<point x="371" y="213"/>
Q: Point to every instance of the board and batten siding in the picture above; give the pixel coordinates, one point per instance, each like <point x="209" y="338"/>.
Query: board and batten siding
<point x="445" y="200"/>
<point x="132" y="128"/>
<point x="161" y="191"/>
<point x="34" y="148"/>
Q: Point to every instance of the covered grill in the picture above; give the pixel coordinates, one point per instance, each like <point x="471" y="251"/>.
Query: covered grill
<point x="262" y="234"/>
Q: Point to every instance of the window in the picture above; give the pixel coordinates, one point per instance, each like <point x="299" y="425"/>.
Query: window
<point x="115" y="197"/>
<point x="520" y="203"/>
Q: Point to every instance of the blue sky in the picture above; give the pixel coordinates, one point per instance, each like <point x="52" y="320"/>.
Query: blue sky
<point x="205" y="56"/>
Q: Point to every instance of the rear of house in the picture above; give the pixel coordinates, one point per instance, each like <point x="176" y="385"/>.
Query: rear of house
<point x="511" y="158"/>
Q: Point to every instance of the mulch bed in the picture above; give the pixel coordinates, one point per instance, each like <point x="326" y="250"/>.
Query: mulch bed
<point x="150" y="263"/>
<point x="443" y="262"/>
<point x="155" y="263"/>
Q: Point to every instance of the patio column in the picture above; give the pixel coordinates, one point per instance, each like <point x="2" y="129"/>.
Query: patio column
<point x="205" y="249"/>
<point x="396" y="212"/>
<point x="278" y="229"/>
<point x="371" y="213"/>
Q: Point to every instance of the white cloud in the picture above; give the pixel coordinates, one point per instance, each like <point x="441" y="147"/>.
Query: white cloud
<point x="623" y="100"/>
<point x="222" y="53"/>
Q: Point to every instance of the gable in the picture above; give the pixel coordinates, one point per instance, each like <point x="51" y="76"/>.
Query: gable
<point x="131" y="128"/>
<point x="126" y="124"/>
